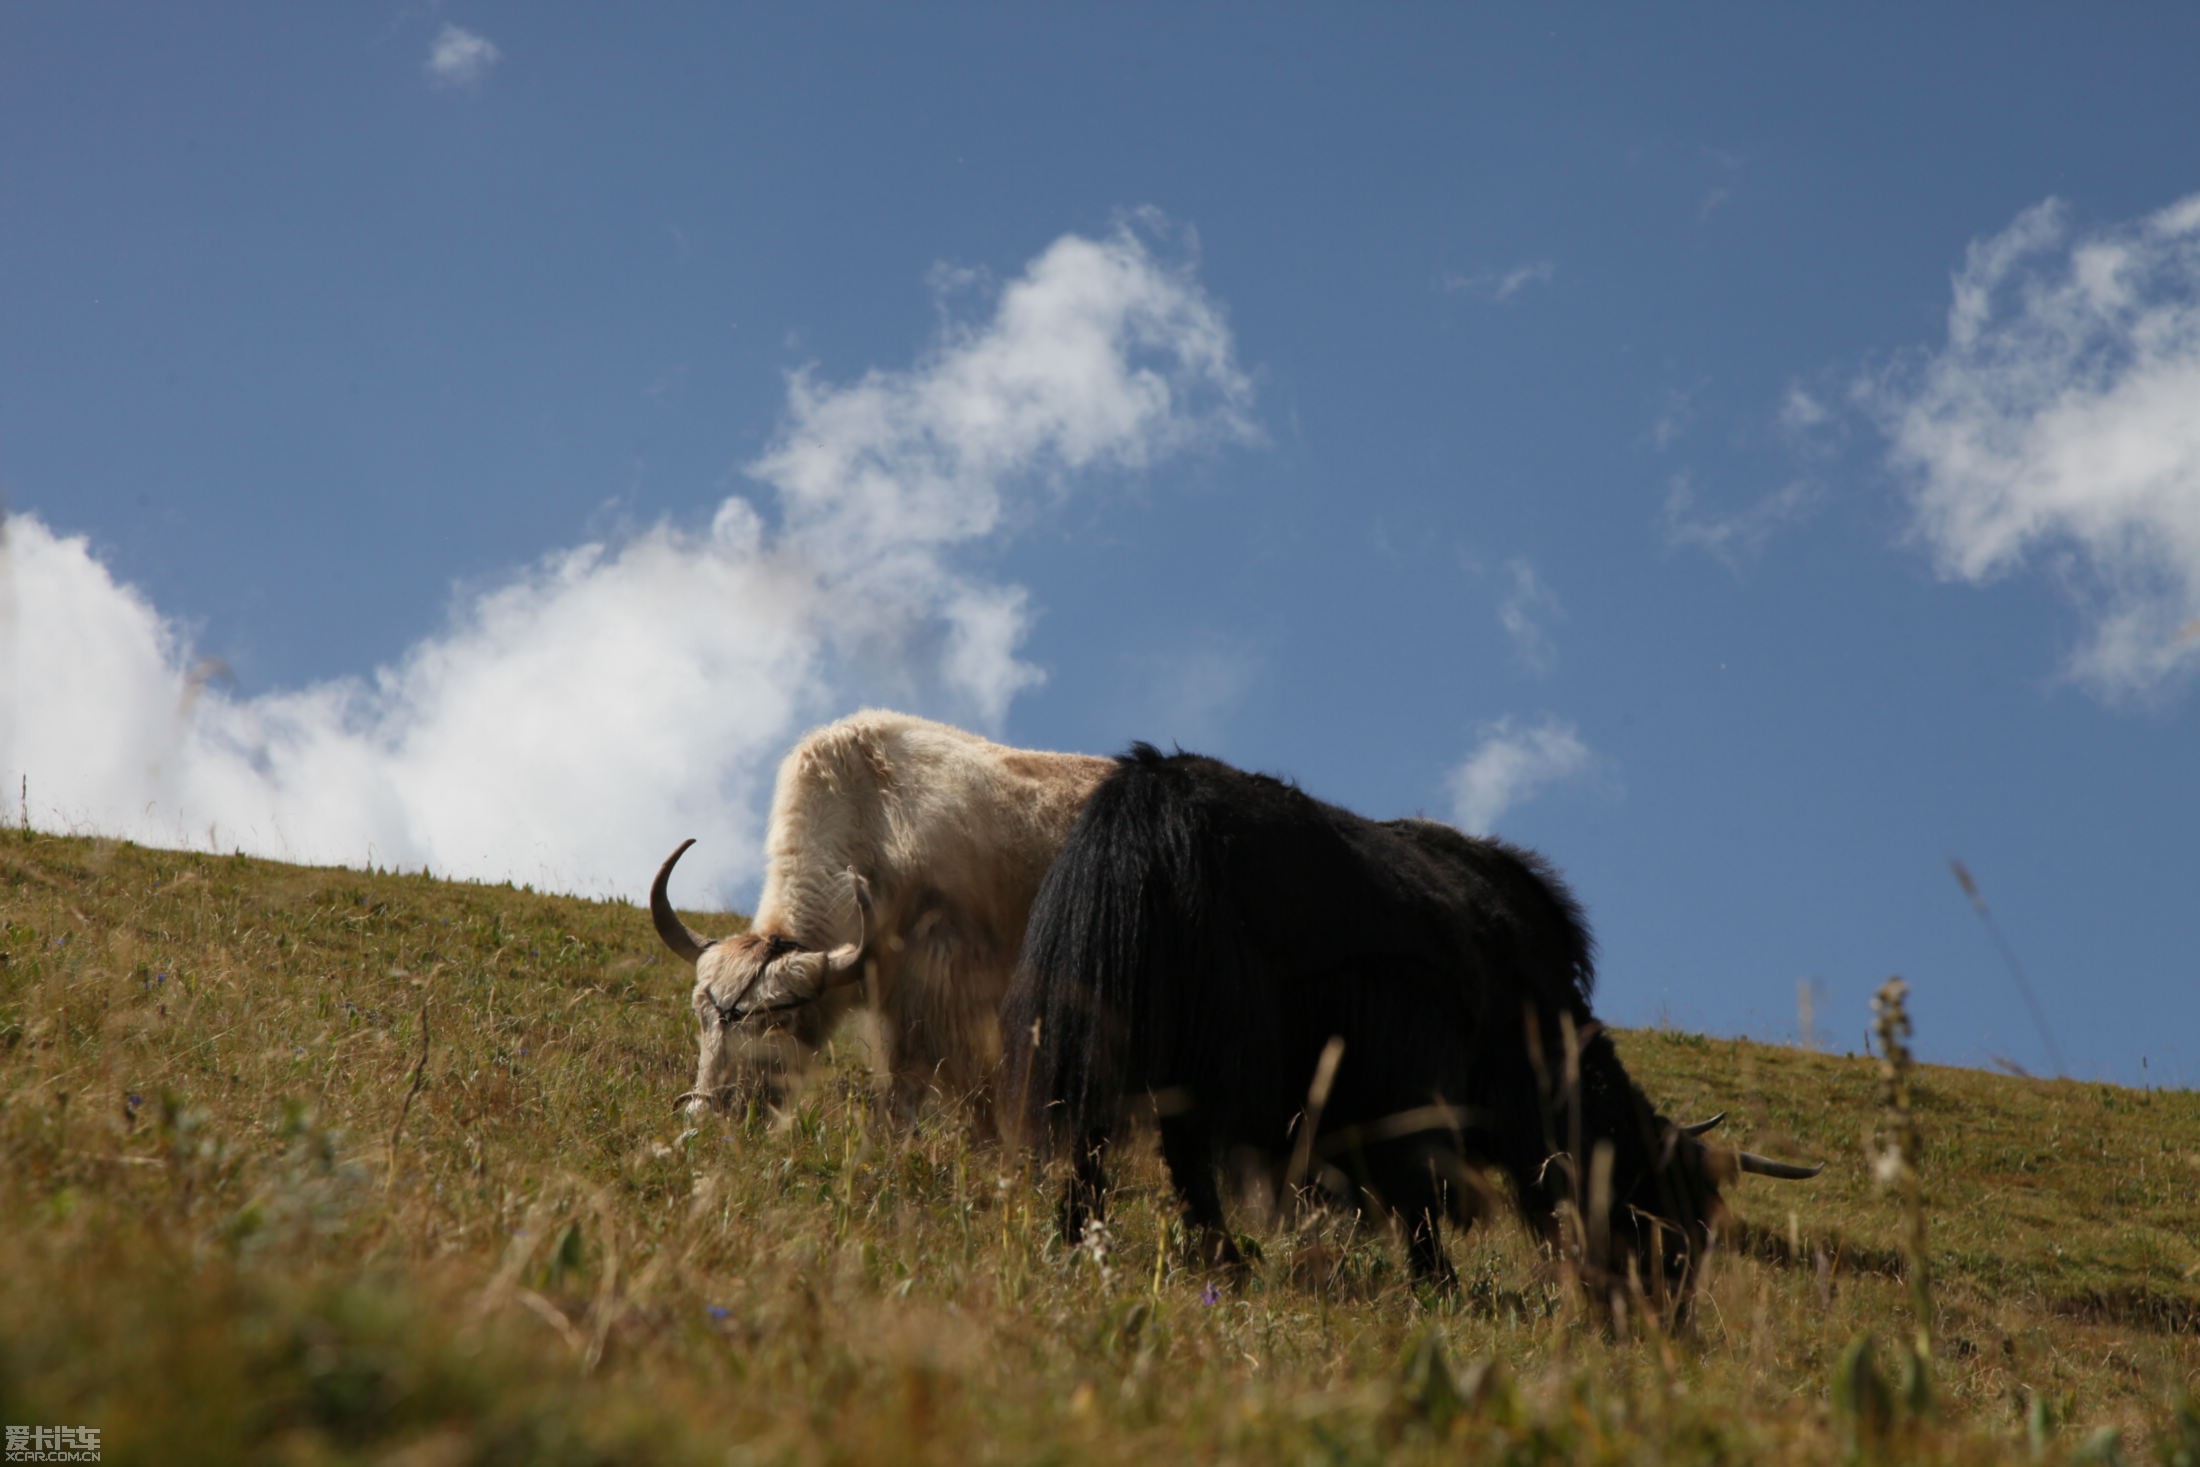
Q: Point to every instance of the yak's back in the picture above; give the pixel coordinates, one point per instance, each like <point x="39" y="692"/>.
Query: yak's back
<point x="1513" y="901"/>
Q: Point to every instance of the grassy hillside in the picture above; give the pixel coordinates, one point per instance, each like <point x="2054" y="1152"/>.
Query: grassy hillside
<point x="312" y="1165"/>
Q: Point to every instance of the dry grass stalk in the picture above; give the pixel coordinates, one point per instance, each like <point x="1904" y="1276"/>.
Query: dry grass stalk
<point x="1896" y="1166"/>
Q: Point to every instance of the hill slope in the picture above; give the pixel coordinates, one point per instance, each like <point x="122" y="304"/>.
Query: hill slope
<point x="248" y="1219"/>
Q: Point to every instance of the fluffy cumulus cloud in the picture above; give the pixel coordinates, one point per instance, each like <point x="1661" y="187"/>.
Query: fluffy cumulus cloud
<point x="1511" y="764"/>
<point x="569" y="725"/>
<point x="459" y="57"/>
<point x="2056" y="430"/>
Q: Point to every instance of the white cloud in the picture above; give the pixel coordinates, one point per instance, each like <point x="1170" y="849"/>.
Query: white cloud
<point x="569" y="726"/>
<point x="1510" y="765"/>
<point x="1737" y="538"/>
<point x="1527" y="607"/>
<point x="1097" y="358"/>
<point x="1502" y="285"/>
<point x="2057" y="428"/>
<point x="459" y="57"/>
<point x="1800" y="411"/>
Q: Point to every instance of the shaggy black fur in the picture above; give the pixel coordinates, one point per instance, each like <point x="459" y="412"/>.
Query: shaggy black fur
<point x="1205" y="932"/>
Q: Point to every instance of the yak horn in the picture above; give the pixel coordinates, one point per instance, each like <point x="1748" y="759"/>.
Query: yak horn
<point x="669" y="926"/>
<point x="1700" y="1127"/>
<point x="1765" y="1166"/>
<point x="844" y="964"/>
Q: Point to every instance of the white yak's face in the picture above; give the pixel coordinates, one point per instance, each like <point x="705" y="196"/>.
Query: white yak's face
<point x="761" y="1005"/>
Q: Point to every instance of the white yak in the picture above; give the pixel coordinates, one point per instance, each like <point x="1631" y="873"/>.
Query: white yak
<point x="900" y="863"/>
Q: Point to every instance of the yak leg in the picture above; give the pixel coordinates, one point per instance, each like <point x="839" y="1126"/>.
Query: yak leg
<point x="944" y="985"/>
<point x="1418" y="1196"/>
<point x="1086" y="1199"/>
<point x="1191" y="1161"/>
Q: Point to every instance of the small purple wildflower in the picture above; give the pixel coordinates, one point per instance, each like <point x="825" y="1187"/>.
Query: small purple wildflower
<point x="718" y="1313"/>
<point x="1210" y="1295"/>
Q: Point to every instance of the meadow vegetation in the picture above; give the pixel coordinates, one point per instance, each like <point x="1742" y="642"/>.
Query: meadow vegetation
<point x="307" y="1165"/>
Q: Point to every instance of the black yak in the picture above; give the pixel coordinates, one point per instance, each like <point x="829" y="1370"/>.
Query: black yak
<point x="1390" y="1006"/>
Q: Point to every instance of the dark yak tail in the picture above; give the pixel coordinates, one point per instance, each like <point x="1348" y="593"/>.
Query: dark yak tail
<point x="1119" y="984"/>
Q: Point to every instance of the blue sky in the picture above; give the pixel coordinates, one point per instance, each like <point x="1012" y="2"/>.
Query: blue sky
<point x="1751" y="455"/>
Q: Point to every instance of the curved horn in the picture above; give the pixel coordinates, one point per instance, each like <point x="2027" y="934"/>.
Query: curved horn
<point x="1700" y="1127"/>
<point x="669" y="926"/>
<point x="844" y="964"/>
<point x="1765" y="1166"/>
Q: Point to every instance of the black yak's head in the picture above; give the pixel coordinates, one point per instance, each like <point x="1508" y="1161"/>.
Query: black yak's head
<point x="1663" y="1221"/>
<point x="1662" y="1225"/>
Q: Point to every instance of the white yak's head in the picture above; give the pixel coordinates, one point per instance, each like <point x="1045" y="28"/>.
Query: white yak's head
<point x="761" y="999"/>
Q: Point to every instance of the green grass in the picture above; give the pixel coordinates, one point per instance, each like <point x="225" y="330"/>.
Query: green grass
<point x="223" y="1246"/>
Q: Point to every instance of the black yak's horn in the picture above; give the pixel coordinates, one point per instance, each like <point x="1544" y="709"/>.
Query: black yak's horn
<point x="1786" y="1171"/>
<point x="1700" y="1127"/>
<point x="669" y="926"/>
